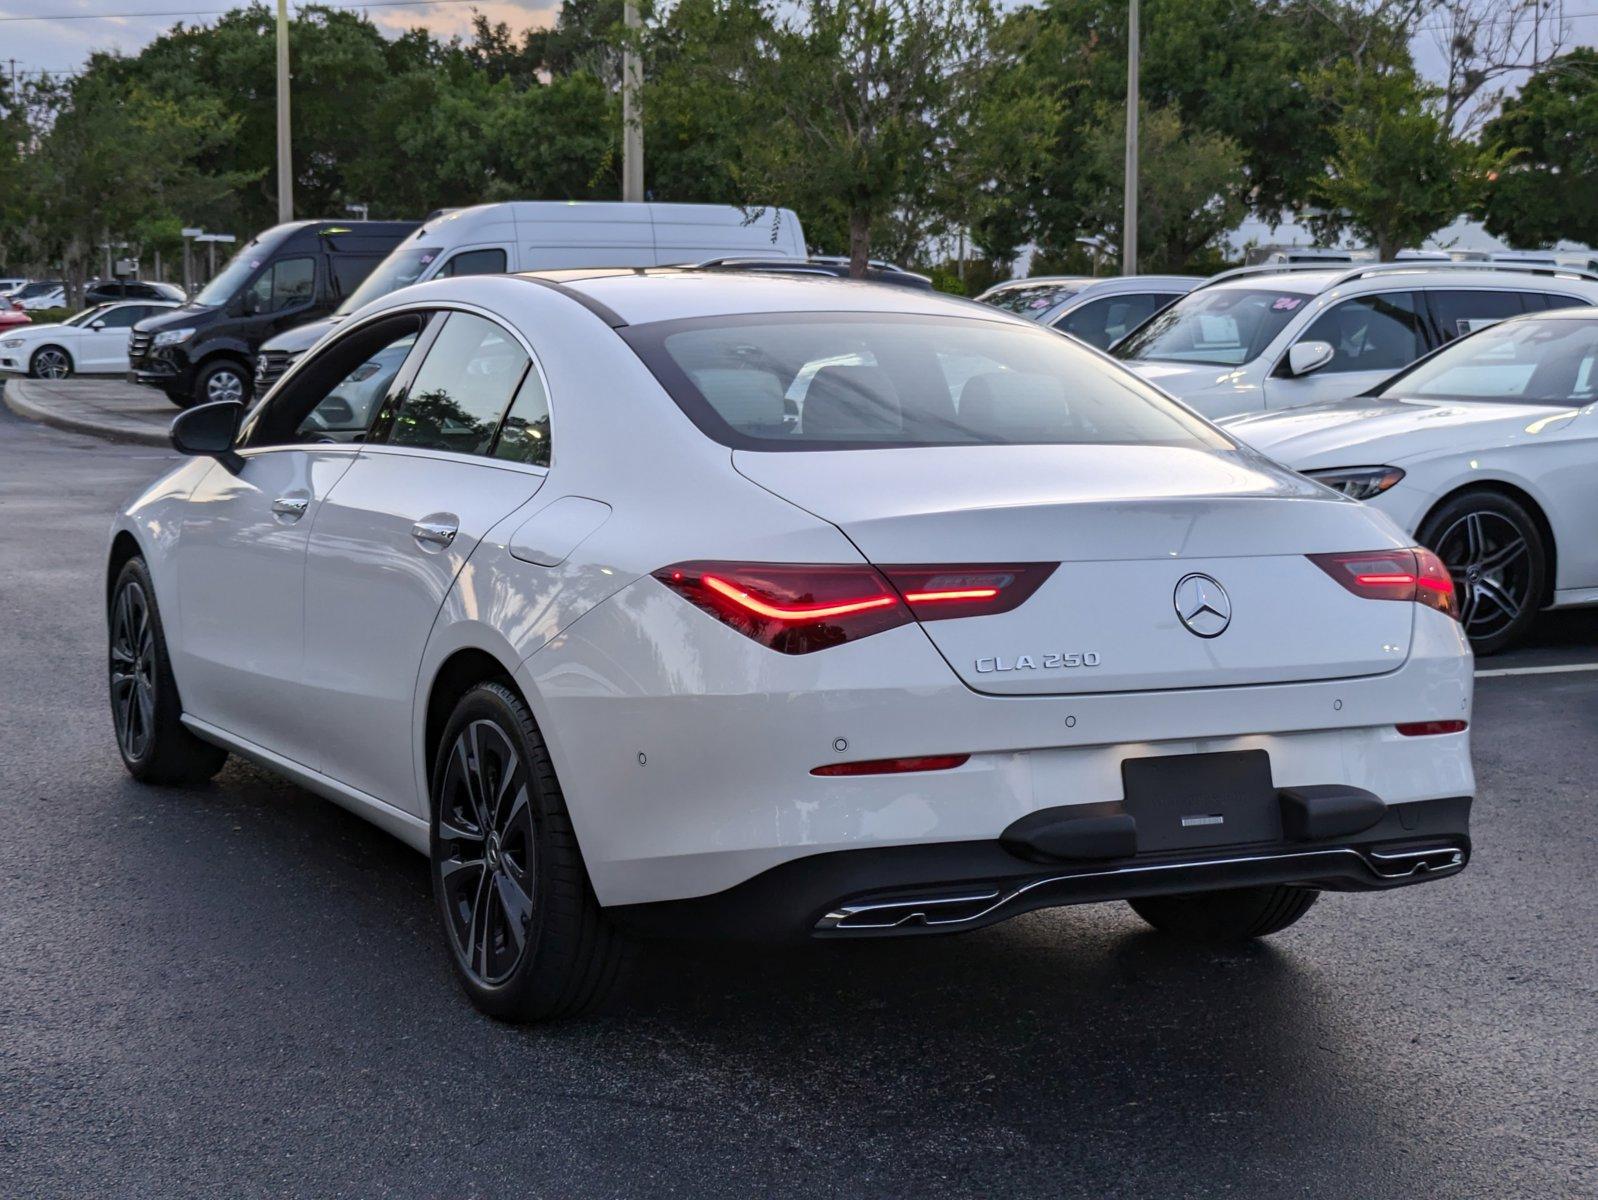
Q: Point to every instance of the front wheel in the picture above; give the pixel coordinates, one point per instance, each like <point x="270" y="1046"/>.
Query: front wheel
<point x="1495" y="553"/>
<point x="223" y="379"/>
<point x="1230" y="916"/>
<point x="525" y="932"/>
<point x="50" y="362"/>
<point x="145" y="709"/>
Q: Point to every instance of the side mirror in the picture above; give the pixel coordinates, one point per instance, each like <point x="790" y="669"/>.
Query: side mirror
<point x="1308" y="356"/>
<point x="208" y="429"/>
<point x="96" y="324"/>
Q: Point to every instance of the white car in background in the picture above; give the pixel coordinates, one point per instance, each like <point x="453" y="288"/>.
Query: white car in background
<point x="1261" y="339"/>
<point x="1097" y="311"/>
<point x="94" y="342"/>
<point x="41" y="294"/>
<point x="586" y="614"/>
<point x="1487" y="452"/>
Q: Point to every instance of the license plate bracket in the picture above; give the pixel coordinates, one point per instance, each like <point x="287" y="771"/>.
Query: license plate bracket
<point x="1183" y="801"/>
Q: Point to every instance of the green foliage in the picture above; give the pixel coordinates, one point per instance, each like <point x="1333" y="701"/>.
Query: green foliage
<point x="1550" y="133"/>
<point x="1397" y="172"/>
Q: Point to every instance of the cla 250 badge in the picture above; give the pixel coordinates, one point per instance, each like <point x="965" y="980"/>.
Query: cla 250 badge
<point x="1039" y="662"/>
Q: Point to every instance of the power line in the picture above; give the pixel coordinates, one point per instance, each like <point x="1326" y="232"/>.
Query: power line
<point x="222" y="12"/>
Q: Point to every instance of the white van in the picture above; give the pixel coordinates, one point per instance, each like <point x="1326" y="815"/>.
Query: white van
<point x="541" y="235"/>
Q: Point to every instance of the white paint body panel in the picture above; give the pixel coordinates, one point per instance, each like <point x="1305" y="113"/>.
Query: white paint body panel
<point x="614" y="665"/>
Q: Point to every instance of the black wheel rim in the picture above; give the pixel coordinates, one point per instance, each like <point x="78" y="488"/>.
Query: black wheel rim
<point x="1490" y="560"/>
<point x="133" y="670"/>
<point x="486" y="859"/>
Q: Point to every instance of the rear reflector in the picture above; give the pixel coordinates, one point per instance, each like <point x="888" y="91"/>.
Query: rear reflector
<point x="799" y="608"/>
<point x="1429" y="728"/>
<point x="894" y="766"/>
<point x="1415" y="574"/>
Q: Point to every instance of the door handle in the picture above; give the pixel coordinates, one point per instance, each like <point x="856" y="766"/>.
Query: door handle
<point x="435" y="533"/>
<point x="290" y="507"/>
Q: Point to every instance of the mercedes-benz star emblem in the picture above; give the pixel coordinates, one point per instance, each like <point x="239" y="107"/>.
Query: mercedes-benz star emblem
<point x="1203" y="606"/>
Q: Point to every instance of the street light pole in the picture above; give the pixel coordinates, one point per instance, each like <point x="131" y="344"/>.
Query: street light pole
<point x="632" y="154"/>
<point x="1129" y="206"/>
<point x="285" y="158"/>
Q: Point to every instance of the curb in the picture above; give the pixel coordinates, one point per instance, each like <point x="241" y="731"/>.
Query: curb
<point x="71" y="423"/>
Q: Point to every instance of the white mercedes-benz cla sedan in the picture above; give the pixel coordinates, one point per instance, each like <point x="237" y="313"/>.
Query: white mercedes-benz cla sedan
<point x="682" y="603"/>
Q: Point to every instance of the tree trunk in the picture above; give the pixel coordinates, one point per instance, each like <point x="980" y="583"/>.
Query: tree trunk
<point x="1387" y="247"/>
<point x="859" y="243"/>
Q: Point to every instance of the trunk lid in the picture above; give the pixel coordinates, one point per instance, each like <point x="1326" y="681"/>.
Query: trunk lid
<point x="1127" y="524"/>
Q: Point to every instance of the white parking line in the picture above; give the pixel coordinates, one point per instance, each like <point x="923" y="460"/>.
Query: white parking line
<point x="1554" y="670"/>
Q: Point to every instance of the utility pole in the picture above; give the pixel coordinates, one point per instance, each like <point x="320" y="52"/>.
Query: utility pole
<point x="632" y="154"/>
<point x="1129" y="206"/>
<point x="285" y="157"/>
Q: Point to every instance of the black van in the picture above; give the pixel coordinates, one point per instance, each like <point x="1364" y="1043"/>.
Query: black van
<point x="283" y="277"/>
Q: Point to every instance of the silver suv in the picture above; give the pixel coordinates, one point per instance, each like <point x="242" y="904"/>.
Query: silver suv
<point x="1274" y="337"/>
<point x="1097" y="311"/>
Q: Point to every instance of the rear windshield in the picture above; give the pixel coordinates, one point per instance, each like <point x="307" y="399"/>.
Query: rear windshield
<point x="1533" y="362"/>
<point x="839" y="381"/>
<point x="1229" y="326"/>
<point x="1033" y="300"/>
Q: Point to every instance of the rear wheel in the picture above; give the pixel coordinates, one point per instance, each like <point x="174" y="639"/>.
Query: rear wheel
<point x="155" y="746"/>
<point x="1229" y="916"/>
<point x="50" y="362"/>
<point x="525" y="932"/>
<point x="1494" y="550"/>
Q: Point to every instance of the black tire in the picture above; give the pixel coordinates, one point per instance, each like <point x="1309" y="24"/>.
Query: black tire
<point x="146" y="711"/>
<point x="522" y="855"/>
<point x="50" y="362"/>
<point x="1494" y="550"/>
<point x="1230" y="916"/>
<point x="181" y="399"/>
<point x="222" y="379"/>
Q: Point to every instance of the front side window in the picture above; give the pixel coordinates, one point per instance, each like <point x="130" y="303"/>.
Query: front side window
<point x="288" y="283"/>
<point x="830" y="381"/>
<point x="460" y="392"/>
<point x="1227" y="326"/>
<point x="123" y="316"/>
<point x="89" y="315"/>
<point x="402" y="268"/>
<point x="1104" y="322"/>
<point x="475" y="262"/>
<point x="1533" y="361"/>
<point x="1371" y="333"/>
<point x="347" y="411"/>
<point x="350" y="271"/>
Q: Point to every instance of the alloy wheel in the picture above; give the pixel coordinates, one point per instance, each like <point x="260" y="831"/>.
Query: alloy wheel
<point x="52" y="364"/>
<point x="133" y="670"/>
<point x="225" y="385"/>
<point x="1491" y="563"/>
<point x="486" y="859"/>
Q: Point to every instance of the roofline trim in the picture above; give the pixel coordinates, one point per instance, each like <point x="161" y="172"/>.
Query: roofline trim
<point x="603" y="311"/>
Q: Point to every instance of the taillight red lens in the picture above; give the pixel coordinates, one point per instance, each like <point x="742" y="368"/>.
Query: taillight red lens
<point x="799" y="608"/>
<point x="938" y="593"/>
<point x="1415" y="574"/>
<point x="1430" y="728"/>
<point x="794" y="608"/>
<point x="894" y="766"/>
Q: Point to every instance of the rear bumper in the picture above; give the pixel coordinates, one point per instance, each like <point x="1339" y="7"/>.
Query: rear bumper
<point x="951" y="887"/>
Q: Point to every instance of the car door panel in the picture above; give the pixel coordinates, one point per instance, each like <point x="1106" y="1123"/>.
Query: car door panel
<point x="387" y="547"/>
<point x="241" y="567"/>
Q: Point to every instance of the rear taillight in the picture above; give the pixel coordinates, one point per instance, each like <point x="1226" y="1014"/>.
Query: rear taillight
<point x="894" y="766"/>
<point x="1430" y="728"/>
<point x="1414" y="574"/>
<point x="799" y="608"/>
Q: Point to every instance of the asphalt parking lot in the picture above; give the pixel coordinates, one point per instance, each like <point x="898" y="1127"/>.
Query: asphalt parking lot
<point x="238" y="990"/>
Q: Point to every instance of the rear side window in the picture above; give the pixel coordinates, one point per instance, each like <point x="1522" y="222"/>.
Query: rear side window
<point x="838" y="381"/>
<point x="1544" y="300"/>
<point x="350" y="270"/>
<point x="460" y="391"/>
<point x="1371" y="333"/>
<point x="1104" y="322"/>
<point x="287" y="283"/>
<point x="1462" y="311"/>
<point x="524" y="438"/>
<point x="475" y="262"/>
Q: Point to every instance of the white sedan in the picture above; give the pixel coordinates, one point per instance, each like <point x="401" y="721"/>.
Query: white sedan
<point x="626" y="640"/>
<point x="1487" y="451"/>
<point x="94" y="342"/>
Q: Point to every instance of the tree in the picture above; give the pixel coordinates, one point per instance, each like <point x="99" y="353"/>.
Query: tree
<point x="1550" y="130"/>
<point x="1190" y="187"/>
<point x="1398" y="172"/>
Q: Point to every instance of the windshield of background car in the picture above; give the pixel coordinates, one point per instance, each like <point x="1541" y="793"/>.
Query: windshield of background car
<point x="400" y="269"/>
<point x="840" y="381"/>
<point x="1532" y="362"/>
<point x="1035" y="299"/>
<point x="231" y="278"/>
<point x="1229" y="326"/>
